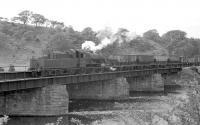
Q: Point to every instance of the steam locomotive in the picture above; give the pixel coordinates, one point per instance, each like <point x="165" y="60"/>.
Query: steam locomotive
<point x="70" y="59"/>
<point x="69" y="62"/>
<point x="79" y="61"/>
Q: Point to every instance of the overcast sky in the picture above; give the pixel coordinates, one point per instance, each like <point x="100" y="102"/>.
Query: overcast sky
<point x="136" y="15"/>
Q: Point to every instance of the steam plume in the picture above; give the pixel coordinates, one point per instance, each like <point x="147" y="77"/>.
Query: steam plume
<point x="89" y="45"/>
<point x="107" y="37"/>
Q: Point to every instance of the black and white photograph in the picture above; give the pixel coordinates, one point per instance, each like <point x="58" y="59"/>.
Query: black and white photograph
<point x="100" y="62"/>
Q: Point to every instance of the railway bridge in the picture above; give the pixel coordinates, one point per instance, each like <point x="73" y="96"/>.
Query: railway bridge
<point x="22" y="94"/>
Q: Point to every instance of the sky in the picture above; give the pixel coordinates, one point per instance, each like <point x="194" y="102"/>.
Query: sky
<point x="135" y="15"/>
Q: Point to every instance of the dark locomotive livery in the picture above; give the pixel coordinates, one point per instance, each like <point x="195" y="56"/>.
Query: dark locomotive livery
<point x="70" y="62"/>
<point x="69" y="59"/>
<point x="79" y="61"/>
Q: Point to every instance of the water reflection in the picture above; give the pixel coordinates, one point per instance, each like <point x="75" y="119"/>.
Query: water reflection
<point x="61" y="120"/>
<point x="57" y="120"/>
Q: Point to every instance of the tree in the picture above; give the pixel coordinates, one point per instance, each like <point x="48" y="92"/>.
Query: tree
<point x="122" y="32"/>
<point x="121" y="35"/>
<point x="61" y="42"/>
<point x="53" y="23"/>
<point x="176" y="40"/>
<point x="174" y="36"/>
<point x="60" y="25"/>
<point x="69" y="29"/>
<point x="23" y="17"/>
<point x="3" y="39"/>
<point x="1" y="18"/>
<point x="7" y="29"/>
<point x="56" y="24"/>
<point x="15" y="19"/>
<point x="4" y="19"/>
<point x="74" y="36"/>
<point x="38" y="19"/>
<point x="152" y="35"/>
<point x="47" y="23"/>
<point x="88" y="34"/>
<point x="196" y="46"/>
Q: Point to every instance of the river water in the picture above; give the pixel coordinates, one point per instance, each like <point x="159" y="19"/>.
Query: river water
<point x="123" y="112"/>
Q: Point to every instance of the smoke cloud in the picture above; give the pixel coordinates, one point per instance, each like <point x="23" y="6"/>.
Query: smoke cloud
<point x="107" y="37"/>
<point x="89" y="45"/>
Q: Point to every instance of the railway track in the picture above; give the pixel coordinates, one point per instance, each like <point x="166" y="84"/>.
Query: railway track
<point x="87" y="70"/>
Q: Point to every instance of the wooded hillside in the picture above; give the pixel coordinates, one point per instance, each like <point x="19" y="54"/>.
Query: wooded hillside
<point x="31" y="34"/>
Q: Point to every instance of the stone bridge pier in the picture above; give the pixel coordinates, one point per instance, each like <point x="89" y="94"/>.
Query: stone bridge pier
<point x="170" y="79"/>
<point x="112" y="89"/>
<point x="147" y="83"/>
<point x="45" y="101"/>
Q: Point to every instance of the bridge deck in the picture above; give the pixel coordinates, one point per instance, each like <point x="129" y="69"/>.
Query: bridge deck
<point x="27" y="82"/>
<point x="84" y="70"/>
